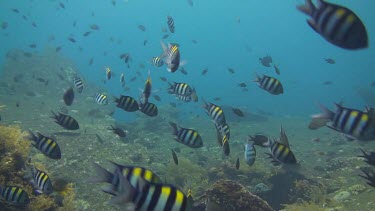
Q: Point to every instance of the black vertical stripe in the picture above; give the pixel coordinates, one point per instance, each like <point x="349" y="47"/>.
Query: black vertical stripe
<point x="337" y="116"/>
<point x="15" y="194"/>
<point x="6" y="195"/>
<point x="345" y="119"/>
<point x="364" y="128"/>
<point x="271" y="88"/>
<point x="20" y="197"/>
<point x="319" y="12"/>
<point x="338" y="24"/>
<point x="354" y="27"/>
<point x="43" y="141"/>
<point x="171" y="200"/>
<point x="326" y="20"/>
<point x="155" y="198"/>
<point x="355" y="123"/>
<point x="144" y="193"/>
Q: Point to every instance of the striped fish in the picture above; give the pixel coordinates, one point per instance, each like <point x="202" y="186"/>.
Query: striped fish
<point x="66" y="121"/>
<point x="149" y="109"/>
<point x="171" y="56"/>
<point x="250" y="153"/>
<point x="127" y="103"/>
<point x="157" y="61"/>
<point x="150" y="196"/>
<point x="280" y="153"/>
<point x="225" y="145"/>
<point x="78" y="84"/>
<point x="355" y="124"/>
<point x="122" y="79"/>
<point x="270" y="84"/>
<point x="188" y="137"/>
<point x="46" y="145"/>
<point x="337" y="24"/>
<point x="181" y="89"/>
<point x="108" y="73"/>
<point x="215" y="112"/>
<point x="14" y="195"/>
<point x="223" y="129"/>
<point x="184" y="98"/>
<point x="170" y="23"/>
<point x="131" y="173"/>
<point x="41" y="181"/>
<point x="101" y="99"/>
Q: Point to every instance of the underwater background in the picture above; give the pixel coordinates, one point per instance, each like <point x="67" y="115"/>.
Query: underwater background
<point x="45" y="44"/>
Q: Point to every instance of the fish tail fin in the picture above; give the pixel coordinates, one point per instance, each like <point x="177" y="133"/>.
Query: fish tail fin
<point x="308" y="8"/>
<point x="205" y="105"/>
<point x="125" y="191"/>
<point x="54" y="115"/>
<point x="171" y="87"/>
<point x="257" y="80"/>
<point x="320" y="120"/>
<point x="102" y="175"/>
<point x="31" y="135"/>
<point x="364" y="153"/>
<point x="174" y="128"/>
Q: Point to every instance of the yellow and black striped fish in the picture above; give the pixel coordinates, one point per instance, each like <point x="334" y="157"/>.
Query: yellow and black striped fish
<point x="188" y="137"/>
<point x="215" y="112"/>
<point x="46" y="145"/>
<point x="149" y="109"/>
<point x="127" y="103"/>
<point x="270" y="84"/>
<point x="14" y="195"/>
<point x="157" y="61"/>
<point x="41" y="181"/>
<point x="101" y="99"/>
<point x="108" y="73"/>
<point x="281" y="153"/>
<point x="182" y="89"/>
<point x="172" y="57"/>
<point x="355" y="124"/>
<point x="337" y="24"/>
<point x="78" y="84"/>
<point x="184" y="98"/>
<point x="66" y="121"/>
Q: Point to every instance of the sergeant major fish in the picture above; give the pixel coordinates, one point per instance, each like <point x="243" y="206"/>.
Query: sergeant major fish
<point x="122" y="79"/>
<point x="14" y="195"/>
<point x="157" y="61"/>
<point x="280" y="151"/>
<point x="250" y="153"/>
<point x="127" y="103"/>
<point x="78" y="84"/>
<point x="188" y="137"/>
<point x="171" y="55"/>
<point x="170" y="23"/>
<point x="149" y="109"/>
<point x="337" y="24"/>
<point x="41" y="181"/>
<point x="353" y="123"/>
<point x="215" y="112"/>
<point x="101" y="99"/>
<point x="65" y="121"/>
<point x="48" y="146"/>
<point x="182" y="89"/>
<point x="270" y="84"/>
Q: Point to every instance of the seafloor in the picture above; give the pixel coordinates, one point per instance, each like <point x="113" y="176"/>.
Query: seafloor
<point x="326" y="179"/>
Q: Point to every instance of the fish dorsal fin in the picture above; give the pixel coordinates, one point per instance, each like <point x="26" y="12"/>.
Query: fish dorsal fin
<point x="283" y="138"/>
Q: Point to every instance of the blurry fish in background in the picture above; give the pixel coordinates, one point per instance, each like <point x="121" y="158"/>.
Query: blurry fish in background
<point x="330" y="61"/>
<point x="157" y="98"/>
<point x="94" y="27"/>
<point x="204" y="71"/>
<point x="4" y="25"/>
<point x="183" y="71"/>
<point x="188" y="137"/>
<point x="194" y="41"/>
<point x="127" y="103"/>
<point x="41" y="181"/>
<point x="118" y="131"/>
<point x="327" y="83"/>
<point x="147" y="90"/>
<point x="62" y="5"/>
<point x="250" y="152"/>
<point x="149" y="109"/>
<point x="243" y="84"/>
<point x="101" y="99"/>
<point x="171" y="55"/>
<point x="231" y="70"/>
<point x="122" y="79"/>
<point x="71" y="39"/>
<point x="145" y="42"/>
<point x="369" y="158"/>
<point x="165" y="36"/>
<point x="157" y="61"/>
<point x="238" y="163"/>
<point x="108" y="73"/>
<point x="69" y="96"/>
<point x="34" y="24"/>
<point x="14" y="195"/>
<point x="142" y="28"/>
<point x="337" y="24"/>
<point x="277" y="70"/>
<point x="259" y="140"/>
<point x="78" y="84"/>
<point x="355" y="124"/>
<point x="191" y="3"/>
<point x="113" y="2"/>
<point x="133" y="79"/>
<point x="170" y="23"/>
<point x="32" y="45"/>
<point x="238" y="19"/>
<point x="91" y="61"/>
<point x="174" y="156"/>
<point x="66" y="121"/>
<point x="48" y="146"/>
<point x="266" y="61"/>
<point x="269" y="84"/>
<point x="58" y="49"/>
<point x="15" y="10"/>
<point x="86" y="33"/>
<point x="238" y="112"/>
<point x="215" y="112"/>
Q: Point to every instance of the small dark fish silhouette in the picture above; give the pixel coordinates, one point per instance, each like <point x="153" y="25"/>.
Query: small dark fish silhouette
<point x="238" y="163"/>
<point x="91" y="61"/>
<point x="118" y="131"/>
<point x="277" y="70"/>
<point x="327" y="83"/>
<point x="183" y="71"/>
<point x="71" y="39"/>
<point x="87" y="33"/>
<point x="242" y="84"/>
<point x="204" y="72"/>
<point x="142" y="28"/>
<point x="265" y="61"/>
<point x="238" y="112"/>
<point x="58" y="49"/>
<point x="163" y="79"/>
<point x="217" y="99"/>
<point x="231" y="70"/>
<point x="165" y="36"/>
<point x="330" y="61"/>
<point x="94" y="27"/>
<point x="4" y="25"/>
<point x="194" y="41"/>
<point x="24" y="17"/>
<point x="175" y="158"/>
<point x="34" y="25"/>
<point x="74" y="23"/>
<point x="113" y="2"/>
<point x="15" y="10"/>
<point x="32" y="45"/>
<point x="144" y="42"/>
<point x="69" y="96"/>
<point x="133" y="79"/>
<point x="62" y="5"/>
<point x="157" y="98"/>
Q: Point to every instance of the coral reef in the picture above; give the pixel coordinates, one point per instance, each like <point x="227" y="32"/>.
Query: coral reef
<point x="230" y="195"/>
<point x="309" y="190"/>
<point x="305" y="206"/>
